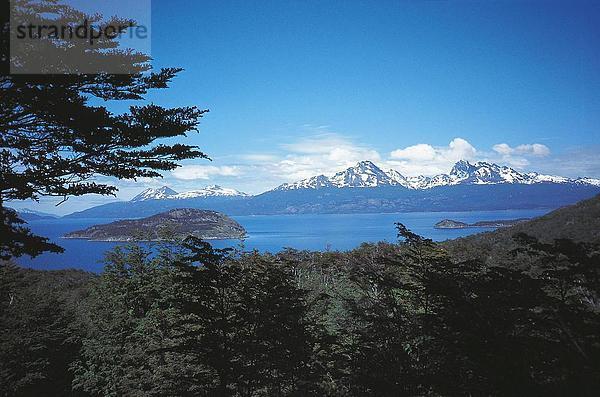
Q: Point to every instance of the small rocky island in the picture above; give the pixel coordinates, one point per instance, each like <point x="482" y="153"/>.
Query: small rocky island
<point x="174" y="224"/>
<point x="451" y="224"/>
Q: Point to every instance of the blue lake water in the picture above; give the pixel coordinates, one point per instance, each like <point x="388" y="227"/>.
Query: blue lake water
<point x="274" y="232"/>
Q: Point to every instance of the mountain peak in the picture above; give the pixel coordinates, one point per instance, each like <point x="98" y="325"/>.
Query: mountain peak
<point x="367" y="174"/>
<point x="209" y="191"/>
<point x="462" y="167"/>
<point x="365" y="164"/>
<point x="168" y="193"/>
<point x="155" y="194"/>
<point x="315" y="182"/>
<point x="363" y="174"/>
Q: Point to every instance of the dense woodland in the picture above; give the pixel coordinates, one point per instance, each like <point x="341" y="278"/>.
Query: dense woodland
<point x="384" y="319"/>
<point x="502" y="314"/>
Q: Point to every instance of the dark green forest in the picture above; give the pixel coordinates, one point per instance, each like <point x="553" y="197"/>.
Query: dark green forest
<point x="382" y="320"/>
<point x="511" y="313"/>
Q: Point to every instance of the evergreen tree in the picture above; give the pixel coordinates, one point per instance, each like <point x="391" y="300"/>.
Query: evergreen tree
<point x="275" y="340"/>
<point x="380" y="343"/>
<point x="55" y="138"/>
<point x="403" y="319"/>
<point x="197" y="321"/>
<point x="246" y="324"/>
<point x="38" y="337"/>
<point x="130" y="327"/>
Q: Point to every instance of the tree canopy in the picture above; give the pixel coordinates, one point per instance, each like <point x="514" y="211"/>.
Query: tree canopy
<point x="384" y="319"/>
<point x="58" y="133"/>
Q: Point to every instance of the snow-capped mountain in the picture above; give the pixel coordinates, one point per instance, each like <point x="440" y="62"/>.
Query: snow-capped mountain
<point x="366" y="174"/>
<point x="466" y="187"/>
<point x="482" y="173"/>
<point x="209" y="191"/>
<point x="166" y="193"/>
<point x="315" y="182"/>
<point x="363" y="174"/>
<point x="155" y="194"/>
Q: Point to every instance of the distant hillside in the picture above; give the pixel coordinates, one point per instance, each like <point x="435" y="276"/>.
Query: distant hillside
<point x="579" y="222"/>
<point x="28" y="216"/>
<point x="366" y="188"/>
<point x="178" y="223"/>
<point x="136" y="209"/>
<point x="32" y="215"/>
<point x="362" y="200"/>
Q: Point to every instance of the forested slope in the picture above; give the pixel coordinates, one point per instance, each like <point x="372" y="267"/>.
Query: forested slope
<point x="579" y="222"/>
<point x="384" y="319"/>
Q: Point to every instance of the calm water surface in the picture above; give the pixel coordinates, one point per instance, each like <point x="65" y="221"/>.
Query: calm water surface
<point x="274" y="232"/>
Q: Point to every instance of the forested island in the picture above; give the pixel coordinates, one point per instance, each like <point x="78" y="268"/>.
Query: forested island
<point x="452" y="224"/>
<point x="175" y="224"/>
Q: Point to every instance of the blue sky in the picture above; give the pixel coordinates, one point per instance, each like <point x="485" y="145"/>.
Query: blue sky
<point x="297" y="88"/>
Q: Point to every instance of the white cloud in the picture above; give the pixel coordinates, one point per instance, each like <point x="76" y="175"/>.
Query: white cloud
<point x="534" y="149"/>
<point x="418" y="152"/>
<point x="513" y="161"/>
<point x="315" y="154"/>
<point x="326" y="153"/>
<point x="574" y="162"/>
<point x="424" y="159"/>
<point x="259" y="158"/>
<point x="329" y="144"/>
<point x="192" y="172"/>
<point x="320" y="154"/>
<point x="517" y="157"/>
<point x="460" y="149"/>
<point x="503" y="148"/>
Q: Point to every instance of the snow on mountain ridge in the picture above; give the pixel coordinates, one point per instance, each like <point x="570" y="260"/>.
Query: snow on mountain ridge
<point x="209" y="191"/>
<point x="315" y="182"/>
<point x="588" y="181"/>
<point x="363" y="174"/>
<point x="367" y="174"/>
<point x="398" y="179"/>
<point x="165" y="192"/>
<point x="155" y="194"/>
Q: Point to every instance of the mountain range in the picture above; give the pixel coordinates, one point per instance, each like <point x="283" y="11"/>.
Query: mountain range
<point x="367" y="174"/>
<point x="32" y="215"/>
<point x="366" y="188"/>
<point x="166" y="193"/>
